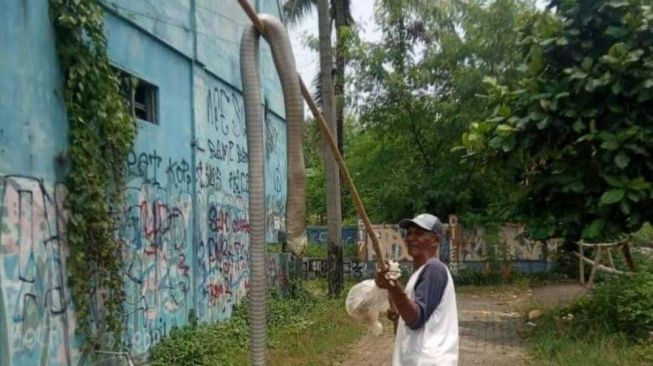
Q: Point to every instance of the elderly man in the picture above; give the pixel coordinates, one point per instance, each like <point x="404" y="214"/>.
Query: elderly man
<point x="427" y="332"/>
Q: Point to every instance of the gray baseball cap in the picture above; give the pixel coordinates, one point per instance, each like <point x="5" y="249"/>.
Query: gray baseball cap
<point x="425" y="221"/>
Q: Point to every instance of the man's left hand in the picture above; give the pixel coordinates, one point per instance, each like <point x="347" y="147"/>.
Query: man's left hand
<point x="384" y="281"/>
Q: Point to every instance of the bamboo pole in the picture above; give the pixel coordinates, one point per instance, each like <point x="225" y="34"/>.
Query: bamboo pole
<point x="602" y="267"/>
<point x="333" y="146"/>
<point x="581" y="265"/>
<point x="610" y="259"/>
<point x="601" y="245"/>
<point x="629" y="258"/>
<point x="595" y="266"/>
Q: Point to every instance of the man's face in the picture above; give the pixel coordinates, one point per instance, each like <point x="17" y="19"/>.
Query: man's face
<point x="419" y="241"/>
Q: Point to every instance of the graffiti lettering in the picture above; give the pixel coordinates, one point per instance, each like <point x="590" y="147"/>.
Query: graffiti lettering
<point x="178" y="172"/>
<point x="32" y="273"/>
<point x="271" y="135"/>
<point x="227" y="151"/>
<point x="144" y="165"/>
<point x="208" y="176"/>
<point x="218" y="101"/>
<point x="239" y="182"/>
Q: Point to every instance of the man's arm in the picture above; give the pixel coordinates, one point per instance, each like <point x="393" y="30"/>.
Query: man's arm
<point x="428" y="293"/>
<point x="407" y="308"/>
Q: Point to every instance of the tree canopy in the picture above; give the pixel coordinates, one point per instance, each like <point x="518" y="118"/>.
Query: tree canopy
<point x="575" y="128"/>
<point x="416" y="93"/>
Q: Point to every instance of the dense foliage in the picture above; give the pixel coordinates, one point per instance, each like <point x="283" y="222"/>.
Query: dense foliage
<point x="101" y="133"/>
<point x="621" y="305"/>
<point x="612" y="325"/>
<point x="576" y="127"/>
<point x="416" y="91"/>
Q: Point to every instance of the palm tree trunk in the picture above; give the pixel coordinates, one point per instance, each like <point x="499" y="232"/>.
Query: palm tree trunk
<point x="339" y="85"/>
<point x="335" y="277"/>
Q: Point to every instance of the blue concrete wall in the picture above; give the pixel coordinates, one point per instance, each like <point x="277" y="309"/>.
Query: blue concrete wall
<point x="184" y="218"/>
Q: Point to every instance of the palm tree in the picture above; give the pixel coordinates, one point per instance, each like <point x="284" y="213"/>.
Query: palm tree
<point x="295" y="9"/>
<point x="341" y="18"/>
<point x="334" y="220"/>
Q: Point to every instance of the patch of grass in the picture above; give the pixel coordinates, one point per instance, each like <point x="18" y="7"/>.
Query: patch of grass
<point x="611" y="326"/>
<point x="556" y="341"/>
<point x="645" y="234"/>
<point x="307" y="329"/>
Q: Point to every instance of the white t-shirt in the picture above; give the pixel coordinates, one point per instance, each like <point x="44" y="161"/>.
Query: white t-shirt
<point x="433" y="339"/>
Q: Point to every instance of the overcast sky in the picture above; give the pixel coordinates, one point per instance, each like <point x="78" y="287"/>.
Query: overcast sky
<point x="363" y="13"/>
<point x="308" y="61"/>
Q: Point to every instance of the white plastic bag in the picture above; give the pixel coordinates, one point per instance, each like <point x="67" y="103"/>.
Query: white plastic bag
<point x="365" y="301"/>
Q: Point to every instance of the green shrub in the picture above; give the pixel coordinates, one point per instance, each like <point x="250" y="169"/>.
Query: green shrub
<point x="227" y="343"/>
<point x="619" y="305"/>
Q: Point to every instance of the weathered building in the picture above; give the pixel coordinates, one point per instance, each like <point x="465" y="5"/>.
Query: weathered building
<point x="185" y="214"/>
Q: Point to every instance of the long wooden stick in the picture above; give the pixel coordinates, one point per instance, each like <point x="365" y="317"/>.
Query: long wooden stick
<point x="331" y="142"/>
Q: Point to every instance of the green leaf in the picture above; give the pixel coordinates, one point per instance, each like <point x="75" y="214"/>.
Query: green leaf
<point x="613" y="181"/>
<point x="578" y="126"/>
<point x="576" y="187"/>
<point x="633" y="196"/>
<point x="578" y="74"/>
<point x="505" y="111"/>
<point x="543" y="123"/>
<point x="622" y="160"/>
<point x="610" y="145"/>
<point x="505" y="130"/>
<point x="639" y="184"/>
<point x="545" y="104"/>
<point x="607" y="136"/>
<point x="616" y="32"/>
<point x="648" y="83"/>
<point x="595" y="229"/>
<point x="495" y="142"/>
<point x="612" y="196"/>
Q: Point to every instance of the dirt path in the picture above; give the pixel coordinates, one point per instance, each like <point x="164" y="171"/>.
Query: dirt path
<point x="489" y="325"/>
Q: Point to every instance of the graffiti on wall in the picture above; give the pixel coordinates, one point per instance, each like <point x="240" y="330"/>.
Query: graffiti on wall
<point x="276" y="171"/>
<point x="37" y="321"/>
<point x="36" y="314"/>
<point x="513" y="245"/>
<point x="353" y="268"/>
<point x="155" y="230"/>
<point x="222" y="199"/>
<point x="222" y="196"/>
<point x="320" y="234"/>
<point x="319" y="267"/>
<point x="390" y="241"/>
<point x="184" y="226"/>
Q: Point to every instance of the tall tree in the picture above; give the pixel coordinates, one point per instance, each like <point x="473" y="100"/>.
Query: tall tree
<point x="334" y="220"/>
<point x="343" y="24"/>
<point x="342" y="21"/>
<point x="418" y="88"/>
<point x="328" y="13"/>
